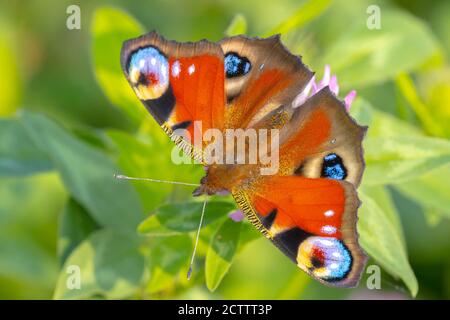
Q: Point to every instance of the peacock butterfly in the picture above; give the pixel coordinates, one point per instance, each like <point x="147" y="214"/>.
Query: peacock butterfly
<point x="308" y="208"/>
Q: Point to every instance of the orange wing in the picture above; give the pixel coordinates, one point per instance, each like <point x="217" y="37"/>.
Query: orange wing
<point x="203" y="85"/>
<point x="309" y="208"/>
<point x="313" y="222"/>
<point x="180" y="84"/>
<point x="261" y="76"/>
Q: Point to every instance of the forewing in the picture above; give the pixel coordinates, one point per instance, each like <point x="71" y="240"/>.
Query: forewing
<point x="261" y="75"/>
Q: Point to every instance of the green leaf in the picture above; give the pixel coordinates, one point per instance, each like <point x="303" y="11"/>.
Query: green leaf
<point x="394" y="150"/>
<point x="403" y="158"/>
<point x="381" y="235"/>
<point x="434" y="87"/>
<point x="138" y="159"/>
<point x="18" y="153"/>
<point x="110" y="264"/>
<point x="10" y="81"/>
<point x="29" y="209"/>
<point x="139" y="156"/>
<point x="430" y="190"/>
<point x="168" y="256"/>
<point x="87" y="174"/>
<point x="110" y="28"/>
<point x="74" y="227"/>
<point x="409" y="92"/>
<point x="433" y="216"/>
<point x="183" y="217"/>
<point x="381" y="124"/>
<point x="24" y="259"/>
<point x="237" y="26"/>
<point x="221" y="252"/>
<point x="306" y="13"/>
<point x="382" y="196"/>
<point x="248" y="234"/>
<point x="295" y="286"/>
<point x="363" y="56"/>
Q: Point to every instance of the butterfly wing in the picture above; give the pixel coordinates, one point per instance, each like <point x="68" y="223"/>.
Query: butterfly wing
<point x="312" y="221"/>
<point x="180" y="84"/>
<point x="261" y="75"/>
<point x="322" y="140"/>
<point x="247" y="82"/>
<point x="203" y="85"/>
<point x="309" y="209"/>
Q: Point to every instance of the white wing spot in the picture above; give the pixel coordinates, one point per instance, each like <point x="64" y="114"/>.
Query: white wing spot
<point x="191" y="69"/>
<point x="176" y="69"/>
<point x="328" y="229"/>
<point x="329" y="213"/>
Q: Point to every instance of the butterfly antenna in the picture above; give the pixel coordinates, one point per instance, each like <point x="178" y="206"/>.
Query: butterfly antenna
<point x="196" y="241"/>
<point x="122" y="177"/>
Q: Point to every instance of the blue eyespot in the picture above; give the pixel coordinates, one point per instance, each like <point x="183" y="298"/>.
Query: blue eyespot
<point x="333" y="167"/>
<point x="148" y="72"/>
<point x="326" y="258"/>
<point x="235" y="65"/>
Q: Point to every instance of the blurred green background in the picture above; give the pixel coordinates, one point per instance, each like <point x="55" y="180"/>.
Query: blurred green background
<point x="69" y="121"/>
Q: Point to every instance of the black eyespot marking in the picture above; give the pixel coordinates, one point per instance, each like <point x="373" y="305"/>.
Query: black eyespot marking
<point x="316" y="262"/>
<point x="333" y="167"/>
<point x="182" y="125"/>
<point x="299" y="170"/>
<point x="161" y="108"/>
<point x="142" y="79"/>
<point x="268" y="220"/>
<point x="288" y="241"/>
<point x="235" y="65"/>
<point x="231" y="98"/>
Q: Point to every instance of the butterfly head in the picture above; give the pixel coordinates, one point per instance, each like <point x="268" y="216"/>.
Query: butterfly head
<point x="217" y="181"/>
<point x="208" y="185"/>
<point x="148" y="72"/>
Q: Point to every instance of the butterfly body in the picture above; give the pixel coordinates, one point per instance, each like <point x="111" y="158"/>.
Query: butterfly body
<point x="220" y="179"/>
<point x="307" y="206"/>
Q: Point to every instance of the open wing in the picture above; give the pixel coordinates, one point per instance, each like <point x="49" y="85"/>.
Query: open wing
<point x="201" y="85"/>
<point x="309" y="210"/>
<point x="261" y="75"/>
